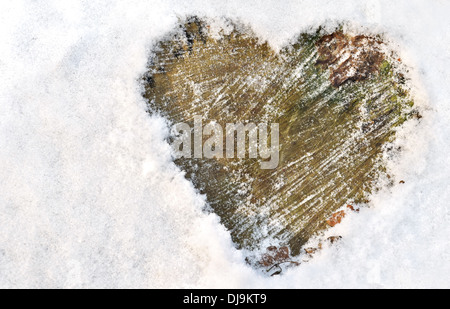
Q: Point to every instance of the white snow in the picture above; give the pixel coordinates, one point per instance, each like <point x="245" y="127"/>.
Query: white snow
<point x="89" y="196"/>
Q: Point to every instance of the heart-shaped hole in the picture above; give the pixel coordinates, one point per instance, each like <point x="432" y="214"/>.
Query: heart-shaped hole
<point x="337" y="99"/>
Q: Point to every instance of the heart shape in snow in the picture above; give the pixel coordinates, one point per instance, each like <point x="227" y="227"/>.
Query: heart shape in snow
<point x="337" y="99"/>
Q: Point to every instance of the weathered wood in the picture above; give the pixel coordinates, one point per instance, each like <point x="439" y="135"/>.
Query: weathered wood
<point x="336" y="114"/>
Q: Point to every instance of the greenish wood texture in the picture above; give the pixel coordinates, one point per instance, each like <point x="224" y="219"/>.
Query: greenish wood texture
<point x="336" y="113"/>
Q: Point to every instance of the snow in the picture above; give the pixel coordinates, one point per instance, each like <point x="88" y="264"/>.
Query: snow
<point x="89" y="194"/>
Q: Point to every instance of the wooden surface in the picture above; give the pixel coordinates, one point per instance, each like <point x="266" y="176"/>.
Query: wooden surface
<point x="336" y="114"/>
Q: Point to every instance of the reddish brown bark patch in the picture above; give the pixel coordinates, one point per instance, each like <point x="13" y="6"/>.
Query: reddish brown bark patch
<point x="336" y="218"/>
<point x="275" y="255"/>
<point x="349" y="58"/>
